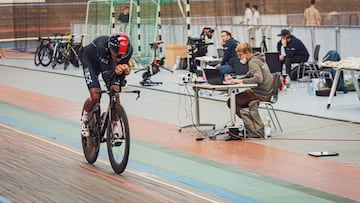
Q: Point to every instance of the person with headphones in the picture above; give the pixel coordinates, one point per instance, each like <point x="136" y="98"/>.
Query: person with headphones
<point x="107" y="55"/>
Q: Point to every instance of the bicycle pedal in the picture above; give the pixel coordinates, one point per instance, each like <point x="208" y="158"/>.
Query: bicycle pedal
<point x="117" y="142"/>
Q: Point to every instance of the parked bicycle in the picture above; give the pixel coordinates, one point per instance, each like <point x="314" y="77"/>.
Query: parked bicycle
<point x="72" y="52"/>
<point x="101" y="130"/>
<point x="66" y="52"/>
<point x="43" y="53"/>
<point x="59" y="53"/>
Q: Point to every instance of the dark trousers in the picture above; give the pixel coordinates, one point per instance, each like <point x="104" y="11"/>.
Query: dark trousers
<point x="294" y="59"/>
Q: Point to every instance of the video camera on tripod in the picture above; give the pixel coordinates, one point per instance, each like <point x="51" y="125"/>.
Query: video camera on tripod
<point x="198" y="48"/>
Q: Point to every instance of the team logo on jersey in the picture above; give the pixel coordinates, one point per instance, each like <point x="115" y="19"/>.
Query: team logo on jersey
<point x="104" y="60"/>
<point x="87" y="76"/>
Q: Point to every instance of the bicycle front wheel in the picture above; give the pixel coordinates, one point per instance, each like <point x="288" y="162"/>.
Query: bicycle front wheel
<point x="119" y="145"/>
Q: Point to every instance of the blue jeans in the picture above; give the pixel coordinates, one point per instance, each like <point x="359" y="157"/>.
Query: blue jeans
<point x="225" y="69"/>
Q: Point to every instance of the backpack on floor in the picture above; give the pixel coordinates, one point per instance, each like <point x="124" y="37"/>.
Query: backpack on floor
<point x="333" y="55"/>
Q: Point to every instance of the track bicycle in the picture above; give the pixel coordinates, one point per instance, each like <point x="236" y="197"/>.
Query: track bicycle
<point x="72" y="52"/>
<point x="101" y="130"/>
<point x="59" y="52"/>
<point x="43" y="53"/>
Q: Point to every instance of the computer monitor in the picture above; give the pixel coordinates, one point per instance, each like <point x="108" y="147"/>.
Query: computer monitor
<point x="273" y="61"/>
<point x="220" y="53"/>
<point x="256" y="49"/>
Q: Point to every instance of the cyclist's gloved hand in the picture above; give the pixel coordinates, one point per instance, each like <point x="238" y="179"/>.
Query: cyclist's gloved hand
<point x="122" y="68"/>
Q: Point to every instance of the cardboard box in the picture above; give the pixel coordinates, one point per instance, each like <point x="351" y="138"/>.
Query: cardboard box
<point x="173" y="51"/>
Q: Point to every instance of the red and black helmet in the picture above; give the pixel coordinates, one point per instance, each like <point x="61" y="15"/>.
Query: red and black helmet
<point x="119" y="43"/>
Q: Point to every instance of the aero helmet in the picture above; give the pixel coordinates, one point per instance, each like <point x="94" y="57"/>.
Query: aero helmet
<point x="119" y="43"/>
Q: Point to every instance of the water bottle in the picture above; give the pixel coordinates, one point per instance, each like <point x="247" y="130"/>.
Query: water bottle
<point x="311" y="88"/>
<point x="267" y="127"/>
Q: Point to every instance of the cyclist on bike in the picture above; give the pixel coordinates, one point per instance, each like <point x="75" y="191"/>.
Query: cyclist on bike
<point x="105" y="55"/>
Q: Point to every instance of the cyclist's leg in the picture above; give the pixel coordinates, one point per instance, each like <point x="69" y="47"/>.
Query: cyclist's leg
<point x="92" y="82"/>
<point x="116" y="84"/>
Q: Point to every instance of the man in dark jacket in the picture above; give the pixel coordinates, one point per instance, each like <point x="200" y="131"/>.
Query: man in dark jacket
<point x="229" y="43"/>
<point x="292" y="50"/>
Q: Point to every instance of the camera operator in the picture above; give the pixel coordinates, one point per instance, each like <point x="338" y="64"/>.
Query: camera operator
<point x="229" y="43"/>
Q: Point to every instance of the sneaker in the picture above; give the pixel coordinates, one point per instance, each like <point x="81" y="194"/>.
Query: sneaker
<point x="305" y="79"/>
<point x="115" y="128"/>
<point x="116" y="133"/>
<point x="84" y="128"/>
<point x="288" y="82"/>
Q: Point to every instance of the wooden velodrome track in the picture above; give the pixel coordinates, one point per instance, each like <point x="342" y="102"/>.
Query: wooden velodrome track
<point x="41" y="157"/>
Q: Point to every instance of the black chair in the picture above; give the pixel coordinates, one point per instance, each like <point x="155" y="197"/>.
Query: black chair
<point x="272" y="60"/>
<point x="311" y="68"/>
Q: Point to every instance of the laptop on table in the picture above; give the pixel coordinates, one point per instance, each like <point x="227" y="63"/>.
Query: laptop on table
<point x="214" y="77"/>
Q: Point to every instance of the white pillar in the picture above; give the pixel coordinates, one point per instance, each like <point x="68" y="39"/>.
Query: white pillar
<point x="138" y="25"/>
<point x="188" y="18"/>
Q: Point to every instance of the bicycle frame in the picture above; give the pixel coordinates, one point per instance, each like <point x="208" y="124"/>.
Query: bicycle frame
<point x="102" y="118"/>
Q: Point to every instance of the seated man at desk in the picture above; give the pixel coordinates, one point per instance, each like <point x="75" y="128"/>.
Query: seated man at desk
<point x="229" y="43"/>
<point x="258" y="73"/>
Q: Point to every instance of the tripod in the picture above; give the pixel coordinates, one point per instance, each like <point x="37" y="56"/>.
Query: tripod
<point x="153" y="68"/>
<point x="263" y="46"/>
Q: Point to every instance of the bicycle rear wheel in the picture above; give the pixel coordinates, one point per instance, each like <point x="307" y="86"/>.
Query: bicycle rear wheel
<point x="119" y="145"/>
<point x="91" y="144"/>
<point x="45" y="55"/>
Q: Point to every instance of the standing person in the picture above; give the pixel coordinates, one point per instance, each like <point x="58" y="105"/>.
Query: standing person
<point x="229" y="43"/>
<point x="312" y="15"/>
<point x="248" y="15"/>
<point x="107" y="55"/>
<point x="123" y="19"/>
<point x="291" y="49"/>
<point x="256" y="15"/>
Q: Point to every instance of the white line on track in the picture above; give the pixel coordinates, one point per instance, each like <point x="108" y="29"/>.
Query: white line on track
<point x="134" y="172"/>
